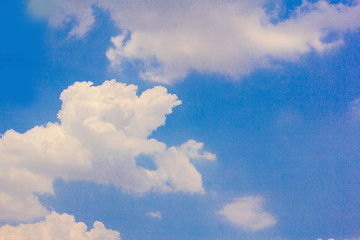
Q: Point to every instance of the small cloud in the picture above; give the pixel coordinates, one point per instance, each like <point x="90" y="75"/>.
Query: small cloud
<point x="248" y="213"/>
<point x="355" y="109"/>
<point x="154" y="214"/>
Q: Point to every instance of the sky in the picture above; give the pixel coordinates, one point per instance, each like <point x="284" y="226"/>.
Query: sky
<point x="154" y="119"/>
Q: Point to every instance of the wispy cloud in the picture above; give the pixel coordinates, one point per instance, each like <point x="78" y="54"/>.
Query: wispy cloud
<point x="156" y="214"/>
<point x="355" y="109"/>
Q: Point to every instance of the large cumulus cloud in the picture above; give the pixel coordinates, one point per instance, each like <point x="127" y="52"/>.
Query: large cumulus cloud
<point x="101" y="132"/>
<point x="231" y="37"/>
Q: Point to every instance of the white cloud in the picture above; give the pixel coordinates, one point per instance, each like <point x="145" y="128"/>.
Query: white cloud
<point x="154" y="214"/>
<point x="355" y="109"/>
<point x="57" y="227"/>
<point x="230" y="37"/>
<point x="61" y="12"/>
<point x="248" y="213"/>
<point x="102" y="130"/>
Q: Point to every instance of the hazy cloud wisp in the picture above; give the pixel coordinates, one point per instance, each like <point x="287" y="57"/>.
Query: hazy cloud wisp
<point x="156" y="214"/>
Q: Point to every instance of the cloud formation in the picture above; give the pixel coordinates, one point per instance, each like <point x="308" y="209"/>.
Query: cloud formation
<point x="156" y="214"/>
<point x="248" y="213"/>
<point x="229" y="37"/>
<point x="100" y="133"/>
<point x="55" y="227"/>
<point x="355" y="109"/>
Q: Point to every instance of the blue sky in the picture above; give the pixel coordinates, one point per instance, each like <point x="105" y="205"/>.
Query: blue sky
<point x="264" y="144"/>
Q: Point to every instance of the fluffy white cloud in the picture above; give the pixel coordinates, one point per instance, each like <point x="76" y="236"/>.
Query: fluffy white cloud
<point x="230" y="37"/>
<point x="248" y="213"/>
<point x="154" y="214"/>
<point x="101" y="132"/>
<point x="58" y="227"/>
